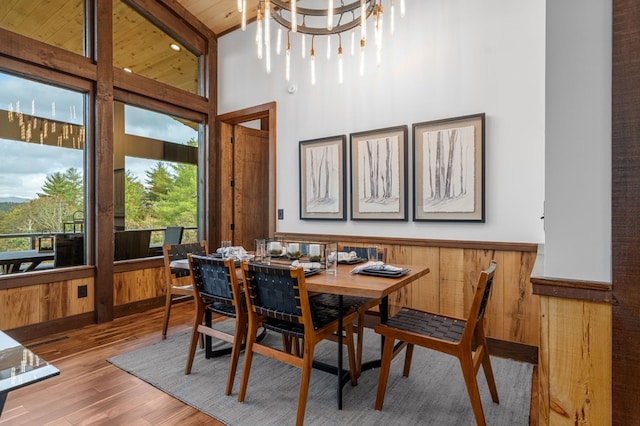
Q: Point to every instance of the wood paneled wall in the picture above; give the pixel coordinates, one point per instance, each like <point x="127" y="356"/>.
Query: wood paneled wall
<point x="512" y="314"/>
<point x="513" y="310"/>
<point x="575" y="362"/>
<point x="138" y="285"/>
<point x="28" y="305"/>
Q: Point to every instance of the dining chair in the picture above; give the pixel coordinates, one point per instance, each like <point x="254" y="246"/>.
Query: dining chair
<point x="363" y="305"/>
<point x="216" y="290"/>
<point x="277" y="300"/>
<point x="178" y="280"/>
<point x="173" y="235"/>
<point x="453" y="336"/>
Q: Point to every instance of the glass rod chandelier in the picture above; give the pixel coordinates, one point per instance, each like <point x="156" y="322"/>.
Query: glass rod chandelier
<point x="333" y="20"/>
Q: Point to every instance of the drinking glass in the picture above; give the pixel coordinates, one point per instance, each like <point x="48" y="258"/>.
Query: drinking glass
<point x="372" y="253"/>
<point x="225" y="245"/>
<point x="331" y="259"/>
<point x="260" y="250"/>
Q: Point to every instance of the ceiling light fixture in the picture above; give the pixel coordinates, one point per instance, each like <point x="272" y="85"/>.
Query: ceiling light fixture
<point x="297" y="16"/>
<point x="175" y="47"/>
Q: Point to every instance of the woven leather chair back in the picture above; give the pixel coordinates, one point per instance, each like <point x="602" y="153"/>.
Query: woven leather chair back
<point x="181" y="251"/>
<point x="274" y="292"/>
<point x="211" y="277"/>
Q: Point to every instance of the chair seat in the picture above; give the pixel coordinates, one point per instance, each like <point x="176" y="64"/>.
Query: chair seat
<point x="427" y="324"/>
<point x="221" y="308"/>
<point x="321" y="317"/>
<point x="331" y="301"/>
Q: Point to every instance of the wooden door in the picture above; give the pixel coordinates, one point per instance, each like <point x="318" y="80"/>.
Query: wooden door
<point x="250" y="186"/>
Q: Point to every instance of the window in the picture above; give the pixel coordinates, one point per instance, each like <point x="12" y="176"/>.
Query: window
<point x="142" y="48"/>
<point x="42" y="178"/>
<point x="155" y="176"/>
<point x="59" y="23"/>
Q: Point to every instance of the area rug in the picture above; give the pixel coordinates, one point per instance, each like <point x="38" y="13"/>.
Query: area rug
<point x="433" y="394"/>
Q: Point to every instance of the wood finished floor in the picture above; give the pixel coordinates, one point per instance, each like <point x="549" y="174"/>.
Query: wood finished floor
<point x="89" y="390"/>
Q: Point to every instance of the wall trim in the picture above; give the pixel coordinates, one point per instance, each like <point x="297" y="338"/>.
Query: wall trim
<point x="482" y="245"/>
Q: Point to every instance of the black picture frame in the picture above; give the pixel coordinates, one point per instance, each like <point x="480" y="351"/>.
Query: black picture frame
<point x="379" y="174"/>
<point x="449" y="169"/>
<point x="322" y="171"/>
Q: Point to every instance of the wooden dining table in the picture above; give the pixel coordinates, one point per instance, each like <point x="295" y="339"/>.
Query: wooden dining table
<point x="346" y="283"/>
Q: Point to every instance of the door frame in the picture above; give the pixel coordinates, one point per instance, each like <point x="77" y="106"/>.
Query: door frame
<point x="266" y="113"/>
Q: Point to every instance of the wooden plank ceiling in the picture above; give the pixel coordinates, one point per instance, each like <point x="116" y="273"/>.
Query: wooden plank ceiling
<point x="137" y="45"/>
<point x="221" y="16"/>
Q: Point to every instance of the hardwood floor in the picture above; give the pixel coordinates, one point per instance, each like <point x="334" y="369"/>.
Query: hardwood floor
<point x="89" y="390"/>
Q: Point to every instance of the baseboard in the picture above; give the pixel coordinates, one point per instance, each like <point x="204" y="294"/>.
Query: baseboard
<point x="36" y="331"/>
<point x="137" y="307"/>
<point x="513" y="350"/>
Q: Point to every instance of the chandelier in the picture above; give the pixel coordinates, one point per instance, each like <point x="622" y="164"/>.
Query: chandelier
<point x="337" y="19"/>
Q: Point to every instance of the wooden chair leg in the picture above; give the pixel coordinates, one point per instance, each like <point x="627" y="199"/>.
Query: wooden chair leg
<point x="469" y="374"/>
<point x="238" y="338"/>
<point x="195" y="334"/>
<point x="360" y="342"/>
<point x="486" y="364"/>
<point x="248" y="357"/>
<point x="387" y="355"/>
<point x="307" y="365"/>
<point x="407" y="360"/>
<point x="354" y="370"/>
<point x="167" y="312"/>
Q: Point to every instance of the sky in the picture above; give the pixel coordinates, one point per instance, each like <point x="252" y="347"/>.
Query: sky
<point x="26" y="165"/>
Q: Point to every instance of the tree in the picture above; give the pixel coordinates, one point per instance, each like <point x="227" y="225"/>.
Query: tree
<point x="134" y="210"/>
<point x="159" y="181"/>
<point x="180" y="205"/>
<point x="68" y="185"/>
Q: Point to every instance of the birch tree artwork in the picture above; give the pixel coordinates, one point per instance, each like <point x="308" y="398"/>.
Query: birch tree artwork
<point x="322" y="179"/>
<point x="379" y="175"/>
<point x="448" y="158"/>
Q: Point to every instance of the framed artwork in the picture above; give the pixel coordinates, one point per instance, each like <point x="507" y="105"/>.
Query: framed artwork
<point x="448" y="180"/>
<point x="322" y="178"/>
<point x="379" y="174"/>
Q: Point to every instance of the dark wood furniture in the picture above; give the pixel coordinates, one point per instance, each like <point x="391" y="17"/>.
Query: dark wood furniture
<point x="454" y="336"/>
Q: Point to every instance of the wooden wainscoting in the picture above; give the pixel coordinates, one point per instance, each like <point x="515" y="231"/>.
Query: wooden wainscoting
<point x="136" y="285"/>
<point x="513" y="313"/>
<point x="575" y="362"/>
<point x="39" y="303"/>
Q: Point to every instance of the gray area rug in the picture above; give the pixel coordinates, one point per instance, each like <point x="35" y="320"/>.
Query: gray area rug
<point x="433" y="394"/>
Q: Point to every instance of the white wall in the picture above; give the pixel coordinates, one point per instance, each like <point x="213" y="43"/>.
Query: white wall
<point x="578" y="147"/>
<point x="448" y="58"/>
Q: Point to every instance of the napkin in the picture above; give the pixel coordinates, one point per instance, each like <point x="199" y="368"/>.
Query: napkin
<point x="306" y="265"/>
<point x="343" y="256"/>
<point x="375" y="266"/>
<point x="235" y="252"/>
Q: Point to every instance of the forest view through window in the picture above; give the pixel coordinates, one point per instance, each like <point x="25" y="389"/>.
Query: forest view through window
<point x="155" y="179"/>
<point x="42" y="179"/>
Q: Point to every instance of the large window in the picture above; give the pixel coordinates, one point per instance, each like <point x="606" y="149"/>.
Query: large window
<point x="59" y="23"/>
<point x="42" y="178"/>
<point x="155" y="178"/>
<point x="143" y="48"/>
